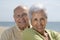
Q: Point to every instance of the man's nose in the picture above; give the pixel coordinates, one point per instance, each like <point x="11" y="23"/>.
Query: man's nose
<point x="39" y="22"/>
<point x="20" y="18"/>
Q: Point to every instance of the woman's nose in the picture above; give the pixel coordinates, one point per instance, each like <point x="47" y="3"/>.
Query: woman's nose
<point x="20" y="18"/>
<point x="38" y="22"/>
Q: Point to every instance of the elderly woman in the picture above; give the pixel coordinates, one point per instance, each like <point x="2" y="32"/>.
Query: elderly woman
<point x="38" y="18"/>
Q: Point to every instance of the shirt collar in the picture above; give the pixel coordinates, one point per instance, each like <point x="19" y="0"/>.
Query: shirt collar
<point x="18" y="28"/>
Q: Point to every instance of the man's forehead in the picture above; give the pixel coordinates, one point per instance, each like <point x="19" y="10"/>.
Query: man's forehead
<point x="21" y="8"/>
<point x="20" y="11"/>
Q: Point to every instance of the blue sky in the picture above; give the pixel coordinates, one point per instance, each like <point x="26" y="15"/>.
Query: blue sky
<point x="7" y="6"/>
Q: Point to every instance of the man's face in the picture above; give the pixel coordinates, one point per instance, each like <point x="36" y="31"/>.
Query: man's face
<point x="38" y="21"/>
<point x="21" y="18"/>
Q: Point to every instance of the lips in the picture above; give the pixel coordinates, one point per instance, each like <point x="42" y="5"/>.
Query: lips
<point x="23" y="21"/>
<point x="39" y="27"/>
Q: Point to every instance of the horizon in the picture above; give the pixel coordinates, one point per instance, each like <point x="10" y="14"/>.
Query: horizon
<point x="13" y="21"/>
<point x="6" y="10"/>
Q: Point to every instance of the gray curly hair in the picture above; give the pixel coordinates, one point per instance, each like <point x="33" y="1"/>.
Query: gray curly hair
<point x="35" y="8"/>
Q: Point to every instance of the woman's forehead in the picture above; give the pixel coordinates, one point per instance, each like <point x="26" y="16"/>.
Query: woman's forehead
<point x="37" y="15"/>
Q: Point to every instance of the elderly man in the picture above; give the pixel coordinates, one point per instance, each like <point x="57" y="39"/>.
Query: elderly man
<point x="22" y="22"/>
<point x="38" y="18"/>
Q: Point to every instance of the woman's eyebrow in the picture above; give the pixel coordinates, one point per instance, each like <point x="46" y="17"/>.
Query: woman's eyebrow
<point x="42" y="19"/>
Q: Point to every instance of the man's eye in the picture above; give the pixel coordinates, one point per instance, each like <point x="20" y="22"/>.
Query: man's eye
<point x="24" y="14"/>
<point x="18" y="15"/>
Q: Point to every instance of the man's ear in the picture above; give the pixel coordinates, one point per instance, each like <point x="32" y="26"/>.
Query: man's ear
<point x="13" y="16"/>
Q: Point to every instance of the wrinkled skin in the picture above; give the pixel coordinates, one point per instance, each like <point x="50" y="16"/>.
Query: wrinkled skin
<point x="39" y="21"/>
<point x="21" y="18"/>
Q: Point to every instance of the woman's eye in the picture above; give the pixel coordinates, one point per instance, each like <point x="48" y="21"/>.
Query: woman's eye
<point x="41" y="19"/>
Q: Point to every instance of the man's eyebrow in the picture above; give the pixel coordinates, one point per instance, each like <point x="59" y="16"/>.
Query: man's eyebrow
<point x="24" y="14"/>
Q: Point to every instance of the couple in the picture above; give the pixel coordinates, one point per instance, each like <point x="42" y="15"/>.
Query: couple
<point x="22" y="31"/>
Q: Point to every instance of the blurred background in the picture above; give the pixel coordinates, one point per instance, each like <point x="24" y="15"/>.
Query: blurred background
<point x="53" y="9"/>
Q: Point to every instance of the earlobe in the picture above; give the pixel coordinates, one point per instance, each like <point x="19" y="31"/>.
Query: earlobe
<point x="46" y="21"/>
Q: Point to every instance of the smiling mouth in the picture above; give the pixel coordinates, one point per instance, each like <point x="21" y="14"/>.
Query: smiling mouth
<point x="40" y="27"/>
<point x="22" y="22"/>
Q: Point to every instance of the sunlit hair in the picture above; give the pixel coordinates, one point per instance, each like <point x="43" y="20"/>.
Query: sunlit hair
<point x="21" y="7"/>
<point x="35" y="8"/>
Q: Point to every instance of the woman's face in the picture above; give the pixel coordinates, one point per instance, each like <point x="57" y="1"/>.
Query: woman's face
<point x="39" y="21"/>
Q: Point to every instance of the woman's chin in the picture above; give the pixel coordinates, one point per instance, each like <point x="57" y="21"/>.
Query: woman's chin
<point x="40" y="30"/>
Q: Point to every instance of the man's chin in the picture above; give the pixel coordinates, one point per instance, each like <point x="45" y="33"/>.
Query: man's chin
<point x="22" y="28"/>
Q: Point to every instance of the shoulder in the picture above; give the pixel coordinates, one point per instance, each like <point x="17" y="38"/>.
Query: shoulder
<point x="27" y="30"/>
<point x="6" y="34"/>
<point x="28" y="34"/>
<point x="8" y="31"/>
<point x="54" y="34"/>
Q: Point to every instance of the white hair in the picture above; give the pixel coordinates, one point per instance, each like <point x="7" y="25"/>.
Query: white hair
<point x="35" y="8"/>
<point x="21" y="6"/>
